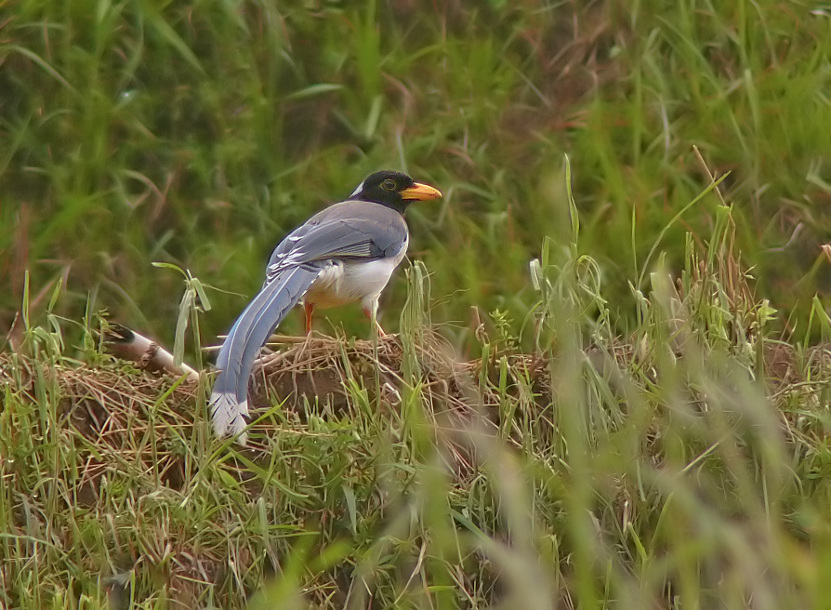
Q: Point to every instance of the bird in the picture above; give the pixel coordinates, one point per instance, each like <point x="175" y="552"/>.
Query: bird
<point x="345" y="253"/>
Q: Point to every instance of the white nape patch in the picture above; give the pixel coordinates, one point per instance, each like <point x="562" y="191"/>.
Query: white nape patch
<point x="358" y="190"/>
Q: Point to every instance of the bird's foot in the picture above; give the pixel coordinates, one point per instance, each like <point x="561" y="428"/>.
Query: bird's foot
<point x="309" y="309"/>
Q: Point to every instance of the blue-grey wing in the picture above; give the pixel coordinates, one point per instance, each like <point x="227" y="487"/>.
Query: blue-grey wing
<point x="348" y="230"/>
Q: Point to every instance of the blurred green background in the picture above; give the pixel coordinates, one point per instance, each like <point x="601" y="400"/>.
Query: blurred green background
<point x="201" y="132"/>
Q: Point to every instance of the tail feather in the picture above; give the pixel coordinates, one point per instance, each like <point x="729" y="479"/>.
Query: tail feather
<point x="229" y="399"/>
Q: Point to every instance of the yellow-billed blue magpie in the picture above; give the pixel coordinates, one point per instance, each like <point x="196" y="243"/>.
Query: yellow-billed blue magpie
<point x="343" y="254"/>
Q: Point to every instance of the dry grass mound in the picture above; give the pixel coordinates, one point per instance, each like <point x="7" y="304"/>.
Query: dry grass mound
<point x="347" y="434"/>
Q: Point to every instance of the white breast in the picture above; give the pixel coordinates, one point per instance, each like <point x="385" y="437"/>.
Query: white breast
<point x="348" y="281"/>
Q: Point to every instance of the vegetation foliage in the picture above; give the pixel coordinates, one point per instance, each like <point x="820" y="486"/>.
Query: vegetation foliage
<point x="610" y="384"/>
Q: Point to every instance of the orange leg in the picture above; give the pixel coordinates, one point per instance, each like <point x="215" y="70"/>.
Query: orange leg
<point x="373" y="316"/>
<point x="309" y="309"/>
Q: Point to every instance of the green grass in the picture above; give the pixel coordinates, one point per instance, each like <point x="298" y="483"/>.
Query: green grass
<point x="681" y="467"/>
<point x="201" y="135"/>
<point x="632" y="441"/>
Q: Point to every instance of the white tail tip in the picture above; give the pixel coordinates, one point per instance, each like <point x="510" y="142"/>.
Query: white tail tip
<point x="229" y="416"/>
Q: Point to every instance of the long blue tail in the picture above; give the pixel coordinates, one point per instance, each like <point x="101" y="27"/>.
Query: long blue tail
<point x="229" y="399"/>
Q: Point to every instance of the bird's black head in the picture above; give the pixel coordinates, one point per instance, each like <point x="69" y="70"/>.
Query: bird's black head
<point x="393" y="189"/>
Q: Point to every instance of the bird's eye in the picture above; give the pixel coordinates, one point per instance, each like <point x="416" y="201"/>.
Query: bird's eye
<point x="388" y="184"/>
